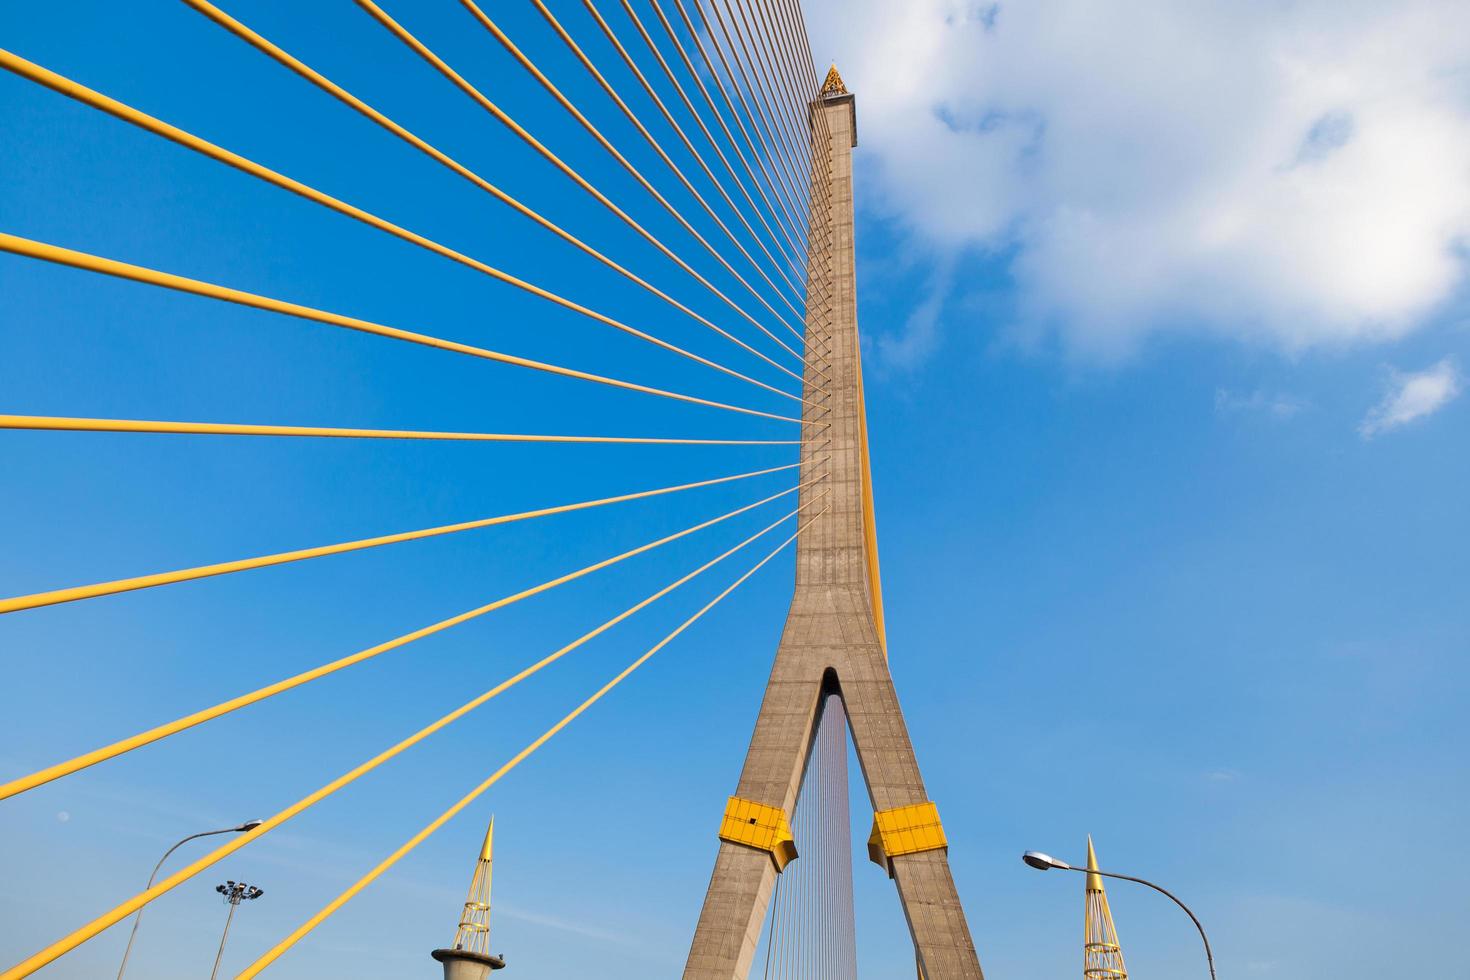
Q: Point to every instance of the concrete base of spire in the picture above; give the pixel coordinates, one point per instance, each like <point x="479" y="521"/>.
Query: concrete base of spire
<point x="461" y="964"/>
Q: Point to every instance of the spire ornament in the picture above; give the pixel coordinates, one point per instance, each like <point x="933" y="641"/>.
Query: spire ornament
<point x="833" y="85"/>
<point x="1102" y="957"/>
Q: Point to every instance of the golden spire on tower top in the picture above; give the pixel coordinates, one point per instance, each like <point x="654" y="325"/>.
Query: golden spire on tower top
<point x="833" y="85"/>
<point x="1102" y="957"/>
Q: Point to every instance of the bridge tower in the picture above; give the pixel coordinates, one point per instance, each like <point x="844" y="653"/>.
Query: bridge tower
<point x="833" y="642"/>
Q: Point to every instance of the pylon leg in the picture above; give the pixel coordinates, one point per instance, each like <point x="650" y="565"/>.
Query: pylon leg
<point x="829" y="639"/>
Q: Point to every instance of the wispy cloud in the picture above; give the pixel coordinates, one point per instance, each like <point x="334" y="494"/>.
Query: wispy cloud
<point x="1413" y="395"/>
<point x="1277" y="405"/>
<point x="920" y="336"/>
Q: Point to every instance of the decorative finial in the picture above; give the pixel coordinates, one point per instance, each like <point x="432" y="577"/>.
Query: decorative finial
<point x="1094" y="881"/>
<point x="1102" y="957"/>
<point x="833" y="85"/>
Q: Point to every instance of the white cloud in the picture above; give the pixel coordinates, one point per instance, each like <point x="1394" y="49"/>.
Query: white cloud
<point x="910" y="347"/>
<point x="1293" y="173"/>
<point x="1277" y="405"/>
<point x="1412" y="396"/>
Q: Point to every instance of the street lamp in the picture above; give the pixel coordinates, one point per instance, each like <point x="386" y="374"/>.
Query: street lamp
<point x="234" y="892"/>
<point x="246" y="826"/>
<point x="1045" y="862"/>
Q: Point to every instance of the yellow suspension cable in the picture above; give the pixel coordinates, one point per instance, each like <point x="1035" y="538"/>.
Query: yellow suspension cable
<point x="459" y="81"/>
<point x="142" y="120"/>
<point x="780" y="188"/>
<point x="153" y="277"/>
<point x="790" y="229"/>
<point x="778" y="162"/>
<point x="69" y="424"/>
<point x="602" y="81"/>
<point x="606" y="144"/>
<point x="76" y="938"/>
<point x="782" y="70"/>
<point x="790" y="250"/>
<point x="688" y="145"/>
<point x="123" y="746"/>
<point x="794" y="80"/>
<point x="759" y="69"/>
<point x="556" y="93"/>
<point x="332" y="88"/>
<point x="347" y="895"/>
<point x="55" y="596"/>
<point x="657" y="147"/>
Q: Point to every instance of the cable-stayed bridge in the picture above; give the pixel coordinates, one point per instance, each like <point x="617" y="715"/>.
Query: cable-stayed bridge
<point x="727" y="132"/>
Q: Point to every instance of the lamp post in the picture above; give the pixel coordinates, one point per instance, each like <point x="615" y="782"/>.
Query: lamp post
<point x="246" y="826"/>
<point x="234" y="892"/>
<point x="1045" y="862"/>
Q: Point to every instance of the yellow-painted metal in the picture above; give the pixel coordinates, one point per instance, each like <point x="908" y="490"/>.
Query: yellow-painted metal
<point x="74" y="939"/>
<point x="1102" y="957"/>
<point x="473" y="933"/>
<point x="673" y="124"/>
<point x="485" y="103"/>
<point x="69" y="424"/>
<point x="870" y="520"/>
<point x="833" y="84"/>
<point x="127" y="113"/>
<point x="760" y="826"/>
<point x="352" y="891"/>
<point x="38" y="599"/>
<point x="21" y="785"/>
<point x="592" y="70"/>
<point x="905" y="830"/>
<point x="153" y="277"/>
<point x="434" y="153"/>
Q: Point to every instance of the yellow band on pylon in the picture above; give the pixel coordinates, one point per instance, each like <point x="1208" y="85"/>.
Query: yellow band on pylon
<point x="757" y="825"/>
<point x="905" y="830"/>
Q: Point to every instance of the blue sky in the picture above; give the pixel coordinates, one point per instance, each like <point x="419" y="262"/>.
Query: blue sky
<point x="1170" y="496"/>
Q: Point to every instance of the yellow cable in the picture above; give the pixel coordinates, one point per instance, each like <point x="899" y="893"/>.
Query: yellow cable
<point x="778" y="160"/>
<point x="459" y="81"/>
<point x="153" y="277"/>
<point x="342" y="899"/>
<point x="332" y="88"/>
<point x="69" y="942"/>
<point x="779" y="186"/>
<point x="792" y="250"/>
<point x="55" y="596"/>
<point x="68" y="424"/>
<point x="595" y="133"/>
<point x="688" y="145"/>
<point x="632" y="117"/>
<point x="776" y="119"/>
<point x="142" y="120"/>
<point x="789" y="251"/>
<point x="790" y="229"/>
<point x="123" y="746"/>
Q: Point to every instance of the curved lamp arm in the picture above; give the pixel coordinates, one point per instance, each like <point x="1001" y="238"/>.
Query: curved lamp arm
<point x="1209" y="956"/>
<point x="247" y="825"/>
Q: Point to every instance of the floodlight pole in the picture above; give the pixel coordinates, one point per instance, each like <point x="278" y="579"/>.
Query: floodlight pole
<point x="127" y="951"/>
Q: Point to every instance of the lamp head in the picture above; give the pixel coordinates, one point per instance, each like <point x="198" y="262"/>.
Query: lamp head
<point x="248" y="825"/>
<point x="1044" y="862"/>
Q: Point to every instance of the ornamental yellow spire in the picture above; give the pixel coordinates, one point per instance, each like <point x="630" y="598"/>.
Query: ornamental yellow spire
<point x="1102" y="957"/>
<point x="470" y="958"/>
<point x="833" y="85"/>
